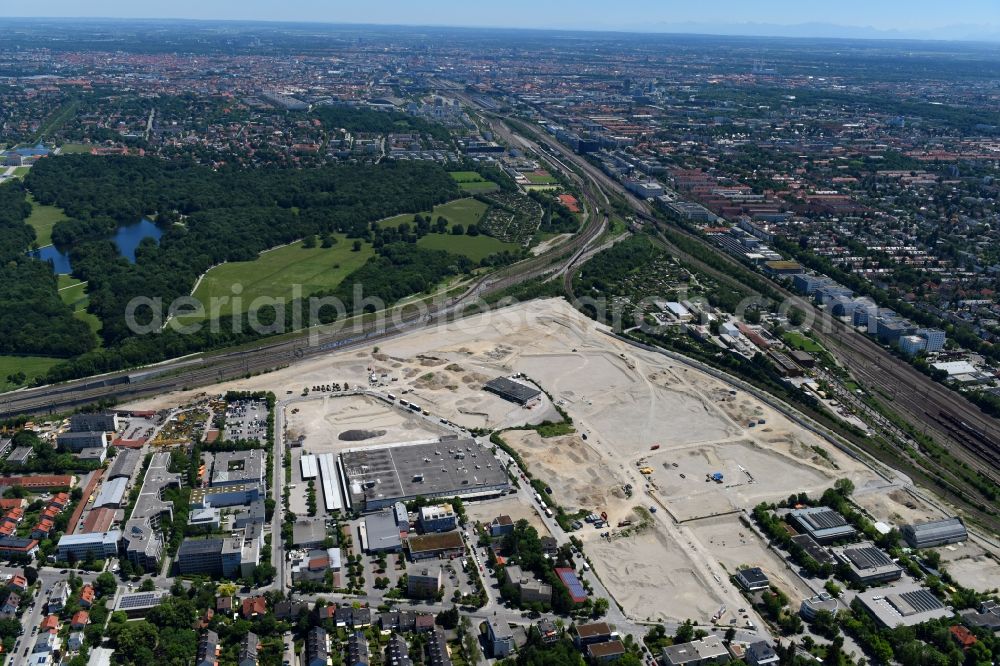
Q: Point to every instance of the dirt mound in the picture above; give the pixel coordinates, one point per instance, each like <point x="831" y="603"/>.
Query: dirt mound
<point x="359" y="435"/>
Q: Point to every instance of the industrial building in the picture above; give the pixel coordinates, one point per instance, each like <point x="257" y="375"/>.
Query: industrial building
<point x="935" y="533"/>
<point x="98" y="520"/>
<point x="823" y="524"/>
<point x="512" y="391"/>
<point x="78" y="441"/>
<point x="329" y="482"/>
<point x="378" y="477"/>
<point x="752" y="579"/>
<point x="105" y="422"/>
<point x="903" y="605"/>
<point x="309" y="466"/>
<point x="124" y="464"/>
<point x="814" y="550"/>
<point x="230" y="468"/>
<point x="380" y="533"/>
<point x="868" y="564"/>
<point x="112" y="493"/>
<point x="708" y="650"/>
<point x="98" y="545"/>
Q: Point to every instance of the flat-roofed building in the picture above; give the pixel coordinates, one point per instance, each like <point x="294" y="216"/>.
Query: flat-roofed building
<point x="501" y="638"/>
<point x="752" y="579"/>
<point x="823" y="524"/>
<point x="100" y="422"/>
<point x="868" y="564"/>
<point x="381" y="533"/>
<point x="112" y="493"/>
<point x="228" y="495"/>
<point x="438" y="518"/>
<point x="512" y="391"/>
<point x="142" y="538"/>
<point x="238" y="468"/>
<point x="903" y="605"/>
<point x="20" y="455"/>
<point x="441" y="545"/>
<point x="708" y="650"/>
<point x="124" y="464"/>
<point x="424" y="583"/>
<point x="935" y="533"/>
<point x="95" y="544"/>
<point x="821" y="602"/>
<point x="77" y="441"/>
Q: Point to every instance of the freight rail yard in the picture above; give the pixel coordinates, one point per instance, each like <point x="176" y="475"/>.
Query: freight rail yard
<point x="654" y="444"/>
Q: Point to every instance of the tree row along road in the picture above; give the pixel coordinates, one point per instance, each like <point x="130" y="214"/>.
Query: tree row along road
<point x="211" y="368"/>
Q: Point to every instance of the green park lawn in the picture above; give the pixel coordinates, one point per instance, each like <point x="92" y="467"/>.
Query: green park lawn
<point x="473" y="247"/>
<point x="544" y="178"/>
<point x="75" y="148"/>
<point x="21" y="172"/>
<point x="799" y="341"/>
<point x="467" y="177"/>
<point x="73" y="293"/>
<point x="460" y="211"/>
<point x="470" y="181"/>
<point x="31" y="366"/>
<point x="43" y="219"/>
<point x="275" y="272"/>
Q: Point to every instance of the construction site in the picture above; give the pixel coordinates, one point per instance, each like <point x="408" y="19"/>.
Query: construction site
<point x="647" y="431"/>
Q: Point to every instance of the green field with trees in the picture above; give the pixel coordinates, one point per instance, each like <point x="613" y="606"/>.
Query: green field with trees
<point x="274" y="272"/>
<point x="18" y="371"/>
<point x="43" y="219"/>
<point x="460" y="230"/>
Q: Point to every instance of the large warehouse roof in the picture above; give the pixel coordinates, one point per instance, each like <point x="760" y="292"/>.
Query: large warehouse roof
<point x="936" y="532"/>
<point x="378" y="477"/>
<point x="511" y="390"/>
<point x="112" y="492"/>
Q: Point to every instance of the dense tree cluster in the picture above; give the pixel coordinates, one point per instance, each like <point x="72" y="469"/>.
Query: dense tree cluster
<point x="211" y="217"/>
<point x="383" y="122"/>
<point x="33" y="319"/>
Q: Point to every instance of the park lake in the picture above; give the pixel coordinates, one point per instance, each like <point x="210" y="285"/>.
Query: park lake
<point x="127" y="239"/>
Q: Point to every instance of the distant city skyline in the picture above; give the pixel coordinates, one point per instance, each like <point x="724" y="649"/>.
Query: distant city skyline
<point x="929" y="19"/>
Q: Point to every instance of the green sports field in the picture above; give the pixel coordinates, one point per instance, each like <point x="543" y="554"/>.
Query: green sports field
<point x="43" y="219"/>
<point x="275" y="272"/>
<point x="31" y="366"/>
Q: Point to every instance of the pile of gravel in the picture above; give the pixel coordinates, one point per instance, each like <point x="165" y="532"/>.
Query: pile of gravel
<point x="359" y="435"/>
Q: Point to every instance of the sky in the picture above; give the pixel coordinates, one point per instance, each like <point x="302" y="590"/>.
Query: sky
<point x="900" y="16"/>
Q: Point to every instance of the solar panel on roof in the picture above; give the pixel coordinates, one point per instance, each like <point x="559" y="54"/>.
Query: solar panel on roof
<point x="573" y="584"/>
<point x="827" y="519"/>
<point x="867" y="558"/>
<point x="137" y="600"/>
<point x="921" y="600"/>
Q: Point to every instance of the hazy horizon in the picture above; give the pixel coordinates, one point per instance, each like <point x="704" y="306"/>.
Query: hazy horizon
<point x="918" y="19"/>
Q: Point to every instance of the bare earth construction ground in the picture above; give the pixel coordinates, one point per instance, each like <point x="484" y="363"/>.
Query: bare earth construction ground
<point x="625" y="400"/>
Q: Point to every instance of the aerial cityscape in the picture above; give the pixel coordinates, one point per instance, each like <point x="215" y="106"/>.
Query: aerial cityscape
<point x="629" y="336"/>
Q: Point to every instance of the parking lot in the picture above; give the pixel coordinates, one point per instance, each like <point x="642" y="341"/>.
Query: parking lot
<point x="246" y="419"/>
